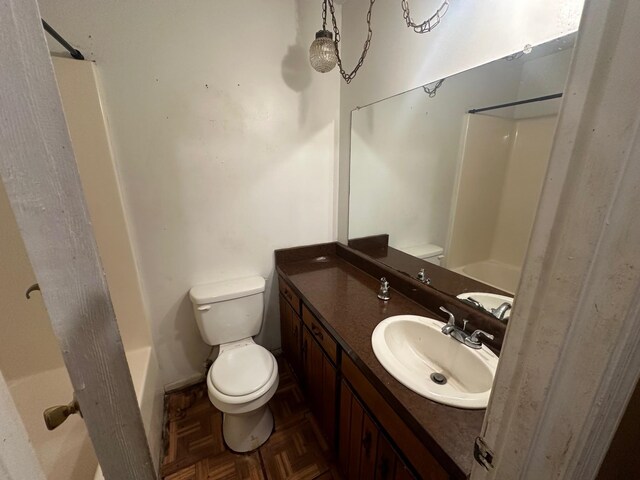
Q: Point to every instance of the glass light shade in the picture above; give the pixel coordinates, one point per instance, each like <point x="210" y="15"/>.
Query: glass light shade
<point x="322" y="53"/>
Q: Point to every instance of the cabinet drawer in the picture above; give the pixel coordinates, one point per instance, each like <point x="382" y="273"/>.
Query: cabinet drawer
<point x="287" y="293"/>
<point x="321" y="335"/>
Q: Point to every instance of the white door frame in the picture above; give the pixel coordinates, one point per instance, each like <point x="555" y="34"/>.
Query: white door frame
<point x="39" y="172"/>
<point x="571" y="358"/>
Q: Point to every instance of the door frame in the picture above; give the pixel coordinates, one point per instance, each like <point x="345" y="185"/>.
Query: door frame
<point x="41" y="179"/>
<point x="571" y="356"/>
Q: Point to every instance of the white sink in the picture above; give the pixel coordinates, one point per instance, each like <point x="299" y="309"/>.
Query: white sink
<point x="412" y="348"/>
<point x="489" y="300"/>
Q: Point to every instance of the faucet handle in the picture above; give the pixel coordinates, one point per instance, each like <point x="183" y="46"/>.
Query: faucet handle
<point x="452" y="318"/>
<point x="383" y="293"/>
<point x="422" y="277"/>
<point x="473" y="341"/>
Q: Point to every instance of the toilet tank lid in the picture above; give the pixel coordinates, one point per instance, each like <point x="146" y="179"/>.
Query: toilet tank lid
<point x="424" y="251"/>
<point x="226" y="290"/>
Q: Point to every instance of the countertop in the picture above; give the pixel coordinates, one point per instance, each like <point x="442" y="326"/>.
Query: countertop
<point x="345" y="299"/>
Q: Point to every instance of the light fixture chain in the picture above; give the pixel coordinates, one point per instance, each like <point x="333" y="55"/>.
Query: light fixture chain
<point x="336" y="32"/>
<point x="433" y="90"/>
<point x="324" y="15"/>
<point x="430" y="23"/>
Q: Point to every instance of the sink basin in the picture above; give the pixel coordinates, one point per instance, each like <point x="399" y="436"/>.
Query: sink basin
<point x="413" y="348"/>
<point x="488" y="300"/>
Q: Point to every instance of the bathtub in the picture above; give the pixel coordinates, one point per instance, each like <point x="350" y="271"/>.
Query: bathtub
<point x="66" y="453"/>
<point x="493" y="272"/>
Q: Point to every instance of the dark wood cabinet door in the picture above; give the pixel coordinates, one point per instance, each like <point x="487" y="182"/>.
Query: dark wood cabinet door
<point x="403" y="472"/>
<point x="369" y="447"/>
<point x="351" y="431"/>
<point x="386" y="460"/>
<point x="285" y="328"/>
<point x="296" y="344"/>
<point x="320" y="385"/>
<point x="329" y="394"/>
<point x="363" y="450"/>
<point x="290" y="332"/>
<point x="312" y="371"/>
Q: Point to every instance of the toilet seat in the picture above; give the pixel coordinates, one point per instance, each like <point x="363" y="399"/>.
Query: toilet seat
<point x="228" y="403"/>
<point x="242" y="370"/>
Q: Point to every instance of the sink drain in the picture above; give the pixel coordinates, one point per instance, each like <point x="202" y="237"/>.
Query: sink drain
<point x="438" y="378"/>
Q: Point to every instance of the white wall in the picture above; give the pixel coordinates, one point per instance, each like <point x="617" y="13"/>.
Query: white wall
<point x="224" y="139"/>
<point x="471" y="34"/>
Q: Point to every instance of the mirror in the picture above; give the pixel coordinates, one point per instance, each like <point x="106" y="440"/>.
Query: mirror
<point x="451" y="173"/>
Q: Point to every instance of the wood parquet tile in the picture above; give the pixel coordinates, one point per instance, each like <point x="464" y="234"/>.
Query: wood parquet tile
<point x="194" y="448"/>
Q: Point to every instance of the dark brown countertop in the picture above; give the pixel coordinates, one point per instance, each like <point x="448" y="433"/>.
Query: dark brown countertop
<point x="344" y="298"/>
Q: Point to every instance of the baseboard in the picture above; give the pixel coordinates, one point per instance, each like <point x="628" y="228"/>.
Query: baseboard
<point x="187" y="382"/>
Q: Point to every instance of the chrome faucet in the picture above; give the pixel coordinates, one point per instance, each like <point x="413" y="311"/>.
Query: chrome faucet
<point x="451" y="324"/>
<point x="501" y="311"/>
<point x="384" y="293"/>
<point x="474" y="303"/>
<point x="460" y="335"/>
<point x="472" y="340"/>
<point x="423" y="278"/>
<point x="498" y="312"/>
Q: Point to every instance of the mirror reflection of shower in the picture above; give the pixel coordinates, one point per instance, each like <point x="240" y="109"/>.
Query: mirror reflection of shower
<point x="460" y="173"/>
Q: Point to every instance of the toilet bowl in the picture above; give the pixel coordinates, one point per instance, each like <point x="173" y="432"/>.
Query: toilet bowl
<point x="240" y="382"/>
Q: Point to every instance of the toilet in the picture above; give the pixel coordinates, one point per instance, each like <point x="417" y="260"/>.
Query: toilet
<point x="244" y="376"/>
<point x="428" y="251"/>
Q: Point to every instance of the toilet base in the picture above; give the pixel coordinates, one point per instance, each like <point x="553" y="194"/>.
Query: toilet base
<point x="247" y="431"/>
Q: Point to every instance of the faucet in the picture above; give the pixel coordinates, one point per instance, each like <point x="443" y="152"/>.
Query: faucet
<point x="461" y="336"/>
<point x="451" y="324"/>
<point x="500" y="312"/>
<point x="384" y="293"/>
<point x="423" y="278"/>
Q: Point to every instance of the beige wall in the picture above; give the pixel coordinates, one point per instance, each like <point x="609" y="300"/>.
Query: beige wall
<point x="79" y="86"/>
<point x="499" y="183"/>
<point x="29" y="355"/>
<point x="528" y="160"/>
<point x="486" y="142"/>
<point x="27" y="344"/>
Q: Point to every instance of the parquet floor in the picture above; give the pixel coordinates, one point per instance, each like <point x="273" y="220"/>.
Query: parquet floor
<point x="195" y="450"/>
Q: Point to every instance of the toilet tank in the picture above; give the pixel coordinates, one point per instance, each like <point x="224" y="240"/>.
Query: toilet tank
<point x="428" y="251"/>
<point x="230" y="310"/>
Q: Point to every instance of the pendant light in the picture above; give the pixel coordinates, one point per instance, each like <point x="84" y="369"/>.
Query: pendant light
<point x="322" y="53"/>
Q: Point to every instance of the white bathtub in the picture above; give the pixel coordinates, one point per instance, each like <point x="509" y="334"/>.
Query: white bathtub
<point x="493" y="272"/>
<point x="66" y="453"/>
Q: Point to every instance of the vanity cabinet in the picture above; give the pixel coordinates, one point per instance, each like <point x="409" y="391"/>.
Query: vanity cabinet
<point x="360" y="426"/>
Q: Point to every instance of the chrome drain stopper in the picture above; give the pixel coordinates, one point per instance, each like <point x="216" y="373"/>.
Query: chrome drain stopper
<point x="438" y="378"/>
